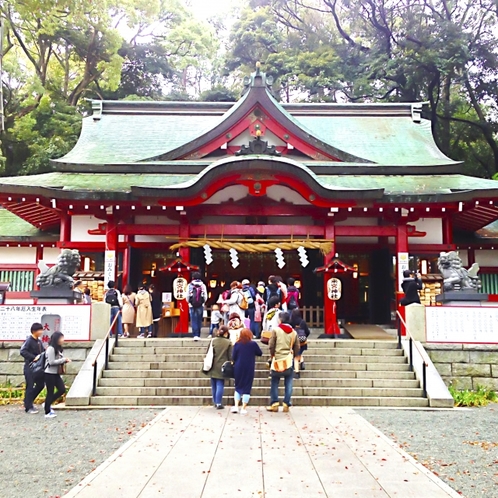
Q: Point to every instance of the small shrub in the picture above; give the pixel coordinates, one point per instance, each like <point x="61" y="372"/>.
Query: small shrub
<point x="479" y="397"/>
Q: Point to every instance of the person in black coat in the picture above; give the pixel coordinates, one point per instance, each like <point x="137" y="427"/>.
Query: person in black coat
<point x="157" y="309"/>
<point x="298" y="322"/>
<point x="244" y="355"/>
<point x="31" y="351"/>
<point x="411" y="285"/>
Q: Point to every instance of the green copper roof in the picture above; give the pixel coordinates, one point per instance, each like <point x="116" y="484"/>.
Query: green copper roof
<point x="95" y="182"/>
<point x="393" y="185"/>
<point x="383" y="140"/>
<point x="13" y="227"/>
<point x="409" y="185"/>
<point x="130" y="138"/>
<point x="122" y="132"/>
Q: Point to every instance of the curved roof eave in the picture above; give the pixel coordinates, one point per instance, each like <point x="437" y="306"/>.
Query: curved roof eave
<point x="244" y="165"/>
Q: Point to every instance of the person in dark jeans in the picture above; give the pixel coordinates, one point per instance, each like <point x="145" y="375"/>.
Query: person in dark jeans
<point x="31" y="351"/>
<point x="54" y="367"/>
<point x="197" y="297"/>
<point x="157" y="309"/>
<point x="250" y="295"/>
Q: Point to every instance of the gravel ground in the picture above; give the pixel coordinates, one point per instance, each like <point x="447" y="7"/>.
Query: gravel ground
<point x="460" y="446"/>
<point x="45" y="458"/>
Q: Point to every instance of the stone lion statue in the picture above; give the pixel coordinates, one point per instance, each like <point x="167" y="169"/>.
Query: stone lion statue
<point x="456" y="277"/>
<point x="60" y="275"/>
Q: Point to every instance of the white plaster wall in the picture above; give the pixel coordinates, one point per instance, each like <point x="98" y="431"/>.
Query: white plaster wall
<point x="487" y="257"/>
<point x="433" y="228"/>
<point x="151" y="238"/>
<point x="235" y="192"/>
<point x="50" y="255"/>
<point x="18" y="255"/>
<point x="79" y="229"/>
<point x="80" y="224"/>
<point x="464" y="254"/>
<point x="154" y="220"/>
<point x="245" y="137"/>
<point x="353" y="221"/>
<point x="281" y="192"/>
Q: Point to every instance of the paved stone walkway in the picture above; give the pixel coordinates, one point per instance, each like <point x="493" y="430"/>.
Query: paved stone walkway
<point x="192" y="452"/>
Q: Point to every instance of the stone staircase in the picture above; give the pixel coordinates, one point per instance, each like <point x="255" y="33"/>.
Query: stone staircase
<point x="165" y="372"/>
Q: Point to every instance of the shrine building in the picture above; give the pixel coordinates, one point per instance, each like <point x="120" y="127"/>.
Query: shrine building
<point x="364" y="183"/>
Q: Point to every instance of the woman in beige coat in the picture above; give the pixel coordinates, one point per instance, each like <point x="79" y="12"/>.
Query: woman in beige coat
<point x="144" y="312"/>
<point x="128" y="310"/>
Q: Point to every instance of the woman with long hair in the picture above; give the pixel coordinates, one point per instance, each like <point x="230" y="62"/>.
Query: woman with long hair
<point x="222" y="348"/>
<point x="244" y="363"/>
<point x="143" y="302"/>
<point x="300" y="326"/>
<point x="128" y="310"/>
<point x="157" y="308"/>
<point x="54" y="368"/>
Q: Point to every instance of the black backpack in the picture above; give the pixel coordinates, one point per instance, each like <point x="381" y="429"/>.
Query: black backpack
<point x="196" y="299"/>
<point x="111" y="297"/>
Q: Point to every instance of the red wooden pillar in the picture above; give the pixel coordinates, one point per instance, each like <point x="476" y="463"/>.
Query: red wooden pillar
<point x="111" y="247"/>
<point x="39" y="257"/>
<point x="401" y="254"/>
<point x="447" y="230"/>
<point x="182" y="325"/>
<point x="65" y="230"/>
<point x="126" y="260"/>
<point x="329" y="306"/>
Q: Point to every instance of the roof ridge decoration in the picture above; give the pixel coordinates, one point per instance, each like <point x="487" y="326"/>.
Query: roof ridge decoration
<point x="257" y="105"/>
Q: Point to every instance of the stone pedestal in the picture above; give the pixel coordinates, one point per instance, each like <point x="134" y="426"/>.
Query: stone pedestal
<point x="54" y="295"/>
<point x="462" y="298"/>
<point x="415" y="321"/>
<point x="101" y="320"/>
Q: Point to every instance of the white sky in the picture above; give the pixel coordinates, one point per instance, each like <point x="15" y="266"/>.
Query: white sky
<point x="204" y="9"/>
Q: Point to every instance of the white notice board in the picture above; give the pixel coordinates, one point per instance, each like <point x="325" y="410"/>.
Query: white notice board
<point x="72" y="320"/>
<point x="462" y="324"/>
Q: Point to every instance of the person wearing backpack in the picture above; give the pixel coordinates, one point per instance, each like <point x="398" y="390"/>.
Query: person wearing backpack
<point x="292" y="295"/>
<point x="31" y="351"/>
<point x="197" y="297"/>
<point x="250" y="295"/>
<point x="114" y="299"/>
<point x="237" y="303"/>
<point x="272" y="290"/>
<point x="303" y="332"/>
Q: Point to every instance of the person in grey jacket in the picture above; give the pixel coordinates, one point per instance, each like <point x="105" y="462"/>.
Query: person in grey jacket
<point x="54" y="367"/>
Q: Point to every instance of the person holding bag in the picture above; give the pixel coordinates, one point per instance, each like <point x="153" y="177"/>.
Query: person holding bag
<point x="54" y="368"/>
<point x="221" y="352"/>
<point x="32" y="351"/>
<point x="284" y="346"/>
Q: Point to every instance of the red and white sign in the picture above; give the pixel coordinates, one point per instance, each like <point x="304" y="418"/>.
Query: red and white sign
<point x="72" y="320"/>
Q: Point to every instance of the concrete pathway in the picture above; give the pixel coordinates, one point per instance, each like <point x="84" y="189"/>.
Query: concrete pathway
<point x="192" y="452"/>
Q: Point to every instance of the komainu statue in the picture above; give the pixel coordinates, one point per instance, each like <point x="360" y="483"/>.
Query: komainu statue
<point x="455" y="276"/>
<point x="60" y="275"/>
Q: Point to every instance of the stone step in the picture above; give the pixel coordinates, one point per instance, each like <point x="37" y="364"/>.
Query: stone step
<point x="304" y="381"/>
<point x="195" y="374"/>
<point x="311" y="358"/>
<point x="129" y="365"/>
<point x="200" y="352"/>
<point x="203" y="343"/>
<point x="298" y="390"/>
<point x="259" y="401"/>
